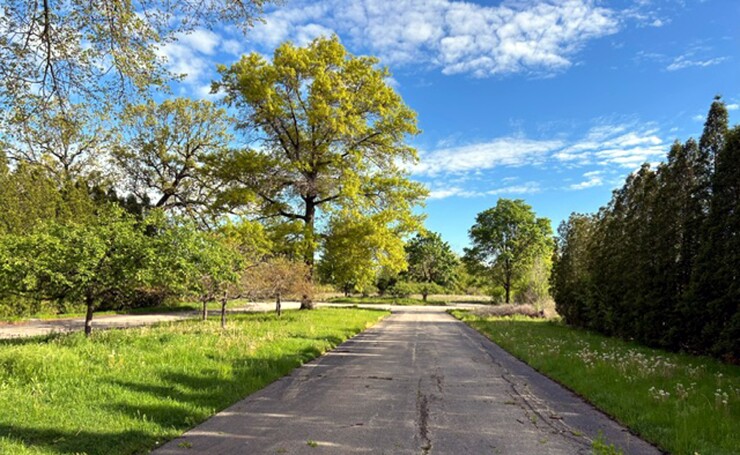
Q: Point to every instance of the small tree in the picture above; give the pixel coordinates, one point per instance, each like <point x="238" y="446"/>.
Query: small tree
<point x="506" y="240"/>
<point x="105" y="258"/>
<point x="276" y="278"/>
<point x="431" y="262"/>
<point x="200" y="264"/>
<point x="357" y="247"/>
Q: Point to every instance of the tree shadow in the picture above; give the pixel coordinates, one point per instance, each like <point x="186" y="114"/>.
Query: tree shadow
<point x="92" y="443"/>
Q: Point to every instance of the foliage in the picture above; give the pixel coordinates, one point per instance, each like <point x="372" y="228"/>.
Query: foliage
<point x="195" y="263"/>
<point x="658" y="263"/>
<point x="164" y="150"/>
<point x="128" y="391"/>
<point x="431" y="263"/>
<point x="331" y="135"/>
<point x="685" y="404"/>
<point x="357" y="248"/>
<point x="103" y="258"/>
<point x="30" y="195"/>
<point x="57" y="51"/>
<point x="506" y="241"/>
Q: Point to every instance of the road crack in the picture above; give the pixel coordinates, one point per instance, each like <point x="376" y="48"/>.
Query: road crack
<point x="422" y="420"/>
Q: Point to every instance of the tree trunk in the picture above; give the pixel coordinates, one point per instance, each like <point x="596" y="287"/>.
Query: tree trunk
<point x="306" y="303"/>
<point x="424" y="296"/>
<point x="223" y="310"/>
<point x="277" y="304"/>
<point x="204" y="311"/>
<point x="90" y="302"/>
<point x="310" y="217"/>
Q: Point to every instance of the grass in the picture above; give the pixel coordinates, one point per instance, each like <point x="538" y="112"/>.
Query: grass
<point x="385" y="301"/>
<point x="78" y="311"/>
<point x="684" y="404"/>
<point x="128" y="391"/>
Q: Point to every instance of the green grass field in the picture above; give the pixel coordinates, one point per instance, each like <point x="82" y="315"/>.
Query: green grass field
<point x="684" y="404"/>
<point x="127" y="391"/>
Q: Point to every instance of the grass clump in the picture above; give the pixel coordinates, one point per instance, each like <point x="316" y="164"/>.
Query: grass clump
<point x="684" y="404"/>
<point x="128" y="391"/>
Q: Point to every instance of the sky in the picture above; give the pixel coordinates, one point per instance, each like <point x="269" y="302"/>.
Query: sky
<point x="552" y="101"/>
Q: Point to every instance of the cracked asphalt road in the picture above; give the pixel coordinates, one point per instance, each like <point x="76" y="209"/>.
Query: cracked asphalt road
<point x="420" y="382"/>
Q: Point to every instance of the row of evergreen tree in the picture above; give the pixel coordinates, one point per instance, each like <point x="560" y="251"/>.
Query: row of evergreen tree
<point x="660" y="263"/>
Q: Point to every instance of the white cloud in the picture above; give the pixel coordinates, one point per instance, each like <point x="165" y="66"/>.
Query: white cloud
<point x="442" y="193"/>
<point x="527" y="188"/>
<point x="507" y="151"/>
<point x="191" y="53"/>
<point x="456" y="191"/>
<point x="733" y="107"/>
<point x="459" y="37"/>
<point x="592" y="179"/>
<point x="622" y="145"/>
<point x="203" y="41"/>
<point x="685" y="61"/>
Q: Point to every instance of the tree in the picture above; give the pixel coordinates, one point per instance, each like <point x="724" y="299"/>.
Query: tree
<point x="357" y="247"/>
<point x="56" y="51"/>
<point x="69" y="143"/>
<point x="431" y="261"/>
<point x="571" y="276"/>
<point x="330" y="132"/>
<point x="195" y="263"/>
<point x="30" y="195"/>
<point x="104" y="258"/>
<point x="505" y="240"/>
<point x="276" y="278"/>
<point x="165" y="148"/>
<point x="711" y="311"/>
<point x="714" y="135"/>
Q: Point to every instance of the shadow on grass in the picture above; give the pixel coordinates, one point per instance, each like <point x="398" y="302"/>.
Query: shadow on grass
<point x="70" y="441"/>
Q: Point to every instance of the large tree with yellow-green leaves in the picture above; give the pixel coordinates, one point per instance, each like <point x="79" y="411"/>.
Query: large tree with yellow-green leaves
<point x="327" y="133"/>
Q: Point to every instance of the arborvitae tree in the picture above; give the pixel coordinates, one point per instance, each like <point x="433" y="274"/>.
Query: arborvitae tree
<point x="712" y="307"/>
<point x="715" y="131"/>
<point x="571" y="281"/>
<point x="663" y="256"/>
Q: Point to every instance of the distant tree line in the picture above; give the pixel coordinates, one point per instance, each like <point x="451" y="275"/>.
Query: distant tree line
<point x="660" y="263"/>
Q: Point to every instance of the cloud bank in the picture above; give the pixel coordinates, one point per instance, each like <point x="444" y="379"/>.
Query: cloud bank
<point x="459" y="37"/>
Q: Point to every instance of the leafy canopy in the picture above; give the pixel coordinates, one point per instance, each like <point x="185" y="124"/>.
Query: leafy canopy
<point x="329" y="132"/>
<point x="506" y="239"/>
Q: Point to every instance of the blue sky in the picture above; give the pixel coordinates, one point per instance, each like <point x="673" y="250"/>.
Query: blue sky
<point x="551" y="101"/>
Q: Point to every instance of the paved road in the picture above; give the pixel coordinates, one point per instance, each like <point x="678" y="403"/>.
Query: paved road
<point x="420" y="382"/>
<point x="39" y="327"/>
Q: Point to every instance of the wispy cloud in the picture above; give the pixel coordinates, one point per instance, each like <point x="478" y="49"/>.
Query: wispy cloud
<point x="605" y="145"/>
<point x="592" y="179"/>
<point x="733" y="107"/>
<point x="507" y="151"/>
<point x="459" y="37"/>
<point x="525" y="188"/>
<point x="686" y="61"/>
<point x="622" y="145"/>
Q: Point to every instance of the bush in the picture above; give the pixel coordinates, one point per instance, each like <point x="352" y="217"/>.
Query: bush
<point x="402" y="289"/>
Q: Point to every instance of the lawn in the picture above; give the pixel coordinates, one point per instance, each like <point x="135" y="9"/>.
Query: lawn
<point x="684" y="404"/>
<point x="128" y="391"/>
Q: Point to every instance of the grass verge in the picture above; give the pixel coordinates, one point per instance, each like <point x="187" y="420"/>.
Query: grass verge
<point x="127" y="391"/>
<point x="385" y="301"/>
<point x="684" y="404"/>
